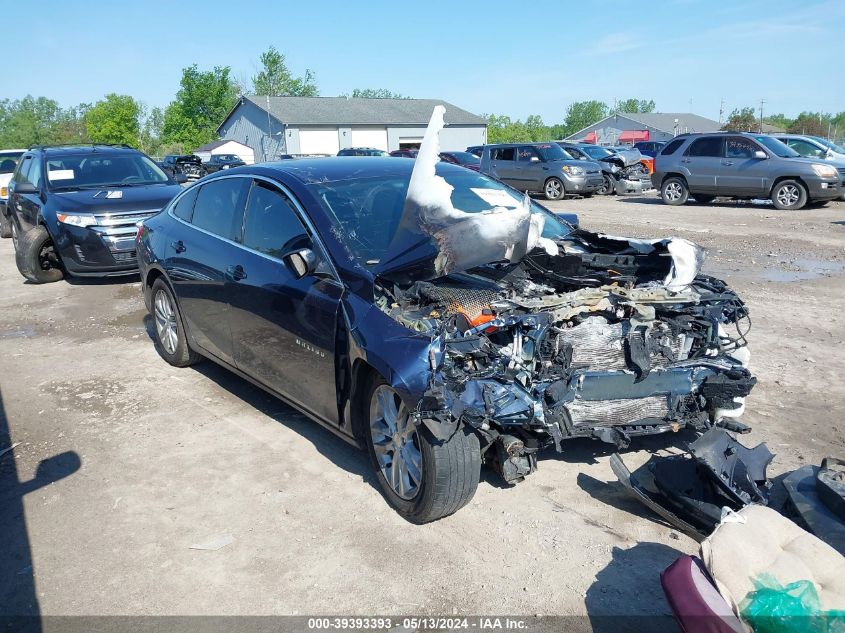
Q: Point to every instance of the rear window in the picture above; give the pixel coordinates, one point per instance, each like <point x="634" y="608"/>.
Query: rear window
<point x="672" y="147"/>
<point x="219" y="207"/>
<point x="184" y="207"/>
<point x="706" y="146"/>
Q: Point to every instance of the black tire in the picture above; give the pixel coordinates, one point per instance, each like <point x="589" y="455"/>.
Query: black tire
<point x="36" y="256"/>
<point x="700" y="199"/>
<point x="5" y="226"/>
<point x="789" y="195"/>
<point x="450" y="469"/>
<point x="674" y="191"/>
<point x="553" y="189"/>
<point x="178" y="353"/>
<point x="608" y="186"/>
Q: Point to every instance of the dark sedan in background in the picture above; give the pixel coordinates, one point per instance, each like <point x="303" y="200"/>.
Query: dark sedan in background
<point x="437" y="317"/>
<point x="464" y="159"/>
<point x="222" y="161"/>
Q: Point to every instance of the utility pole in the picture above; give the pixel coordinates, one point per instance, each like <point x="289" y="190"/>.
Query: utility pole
<point x="721" y="111"/>
<point x="762" y="103"/>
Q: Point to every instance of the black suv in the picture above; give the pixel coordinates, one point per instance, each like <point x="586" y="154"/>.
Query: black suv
<point x="744" y="166"/>
<point x="187" y="164"/>
<point x="222" y="161"/>
<point x="75" y="209"/>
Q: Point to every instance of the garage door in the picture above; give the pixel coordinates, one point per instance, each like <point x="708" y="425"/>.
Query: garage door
<point x="318" y="141"/>
<point x="369" y="137"/>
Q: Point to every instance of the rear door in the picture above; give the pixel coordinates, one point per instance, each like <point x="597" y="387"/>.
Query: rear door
<point x="702" y="162"/>
<point x="284" y="328"/>
<point x="503" y="165"/>
<point x="202" y="258"/>
<point x="742" y="174"/>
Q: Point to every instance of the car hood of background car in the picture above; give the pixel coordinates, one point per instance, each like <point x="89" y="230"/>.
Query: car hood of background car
<point x="114" y="199"/>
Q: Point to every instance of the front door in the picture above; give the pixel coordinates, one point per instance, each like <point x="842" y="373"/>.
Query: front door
<point x="201" y="260"/>
<point x="701" y="164"/>
<point x="284" y="327"/>
<point x="503" y="165"/>
<point x="529" y="169"/>
<point x="25" y="207"/>
<point x="742" y="173"/>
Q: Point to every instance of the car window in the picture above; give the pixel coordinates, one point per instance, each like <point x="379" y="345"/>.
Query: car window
<point x="8" y="161"/>
<point x="219" y="207"/>
<point x="806" y="149"/>
<point x="272" y="226"/>
<point x="34" y="175"/>
<point x="707" y="146"/>
<point x="672" y="147"/>
<point x="526" y="154"/>
<point x="503" y="153"/>
<point x="738" y="147"/>
<point x="22" y="172"/>
<point x="184" y="207"/>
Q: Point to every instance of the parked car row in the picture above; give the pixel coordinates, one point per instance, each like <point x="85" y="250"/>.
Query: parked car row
<point x="193" y="168"/>
<point x="747" y="166"/>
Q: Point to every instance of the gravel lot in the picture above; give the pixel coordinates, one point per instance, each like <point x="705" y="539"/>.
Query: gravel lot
<point x="172" y="458"/>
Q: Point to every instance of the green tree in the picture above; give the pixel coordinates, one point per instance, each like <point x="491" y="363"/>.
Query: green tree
<point x="115" y="119"/>
<point x="814" y="123"/>
<point x="635" y="105"/>
<point x="375" y="93"/>
<point x="149" y="140"/>
<point x="275" y="79"/>
<point x="203" y="101"/>
<point x="583" y="114"/>
<point x="29" y="121"/>
<point x="779" y="120"/>
<point x="744" y="120"/>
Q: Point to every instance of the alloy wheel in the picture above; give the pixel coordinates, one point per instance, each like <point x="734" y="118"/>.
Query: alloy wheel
<point x="396" y="442"/>
<point x="673" y="191"/>
<point x="165" y="318"/>
<point x="553" y="189"/>
<point x="788" y="195"/>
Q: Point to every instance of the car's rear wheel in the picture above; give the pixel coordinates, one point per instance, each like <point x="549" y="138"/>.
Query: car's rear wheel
<point x="789" y="195"/>
<point x="5" y="226"/>
<point x="170" y="340"/>
<point x="36" y="256"/>
<point x="423" y="478"/>
<point x="674" y="191"/>
<point x="608" y="185"/>
<point x="554" y="189"/>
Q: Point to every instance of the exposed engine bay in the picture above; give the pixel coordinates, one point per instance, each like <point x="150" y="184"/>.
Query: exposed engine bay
<point x="538" y="336"/>
<point x="603" y="340"/>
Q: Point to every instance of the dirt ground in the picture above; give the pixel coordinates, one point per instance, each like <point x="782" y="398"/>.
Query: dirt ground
<point x="146" y="460"/>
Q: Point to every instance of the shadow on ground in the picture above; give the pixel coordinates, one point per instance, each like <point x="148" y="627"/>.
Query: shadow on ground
<point x="627" y="595"/>
<point x="19" y="608"/>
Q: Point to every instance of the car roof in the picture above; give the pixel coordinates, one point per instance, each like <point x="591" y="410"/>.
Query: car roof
<point x="85" y="149"/>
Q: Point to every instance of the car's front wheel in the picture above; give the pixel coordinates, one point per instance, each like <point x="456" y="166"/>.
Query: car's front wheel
<point x="36" y="256"/>
<point x="423" y="478"/>
<point x="608" y="185"/>
<point x="554" y="189"/>
<point x="674" y="191"/>
<point x="169" y="330"/>
<point x="789" y="195"/>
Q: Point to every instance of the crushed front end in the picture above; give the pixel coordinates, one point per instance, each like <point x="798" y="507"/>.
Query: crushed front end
<point x="609" y="339"/>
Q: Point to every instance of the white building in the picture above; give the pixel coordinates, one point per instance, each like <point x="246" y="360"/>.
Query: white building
<point x="275" y="126"/>
<point x="216" y="148"/>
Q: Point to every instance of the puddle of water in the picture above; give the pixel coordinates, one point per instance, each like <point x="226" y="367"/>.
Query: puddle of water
<point x="807" y="269"/>
<point x="21" y="332"/>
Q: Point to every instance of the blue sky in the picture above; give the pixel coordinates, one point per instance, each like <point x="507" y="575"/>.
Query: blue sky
<point x="514" y="58"/>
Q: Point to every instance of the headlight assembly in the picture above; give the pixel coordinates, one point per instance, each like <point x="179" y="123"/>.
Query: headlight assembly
<point x="76" y="219"/>
<point x="573" y="170"/>
<point x="825" y="171"/>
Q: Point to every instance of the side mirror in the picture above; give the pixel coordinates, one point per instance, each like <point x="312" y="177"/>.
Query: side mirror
<point x="303" y="262"/>
<point x="760" y="154"/>
<point x="25" y="187"/>
<point x="180" y="178"/>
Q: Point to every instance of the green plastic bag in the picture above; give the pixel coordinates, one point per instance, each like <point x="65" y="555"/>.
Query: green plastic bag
<point x="794" y="608"/>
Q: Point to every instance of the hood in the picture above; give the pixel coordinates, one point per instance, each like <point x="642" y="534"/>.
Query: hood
<point x="433" y="236"/>
<point x="117" y="199"/>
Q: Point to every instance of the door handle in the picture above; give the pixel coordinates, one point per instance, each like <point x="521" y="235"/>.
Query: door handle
<point x="685" y="160"/>
<point x="236" y="272"/>
<point x="727" y="163"/>
<point x="178" y="246"/>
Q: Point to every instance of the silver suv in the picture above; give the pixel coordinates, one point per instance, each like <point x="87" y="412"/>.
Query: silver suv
<point x="744" y="166"/>
<point x="541" y="167"/>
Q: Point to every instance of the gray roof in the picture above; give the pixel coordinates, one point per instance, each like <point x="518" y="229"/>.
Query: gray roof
<point x="665" y="121"/>
<point x="343" y="111"/>
<point x="210" y="146"/>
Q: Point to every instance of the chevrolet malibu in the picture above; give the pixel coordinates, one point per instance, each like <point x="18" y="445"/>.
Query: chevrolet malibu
<point x="438" y="318"/>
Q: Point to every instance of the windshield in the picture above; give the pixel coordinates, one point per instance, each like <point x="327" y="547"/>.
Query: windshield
<point x="776" y="147"/>
<point x="829" y="144"/>
<point x="594" y="151"/>
<point x="85" y="171"/>
<point x="465" y="158"/>
<point x="8" y="161"/>
<point x="367" y="211"/>
<point x="552" y="151"/>
<point x="228" y="157"/>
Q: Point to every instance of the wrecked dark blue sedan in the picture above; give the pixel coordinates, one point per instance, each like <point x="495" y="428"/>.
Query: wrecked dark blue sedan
<point x="438" y="318"/>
